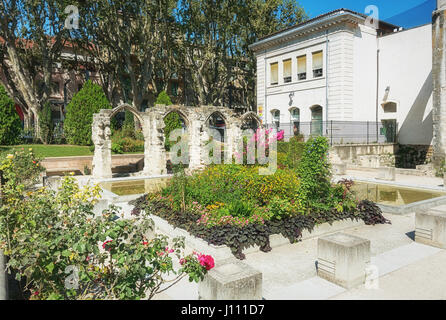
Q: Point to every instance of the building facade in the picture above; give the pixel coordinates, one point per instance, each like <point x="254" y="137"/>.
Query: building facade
<point x="345" y="76"/>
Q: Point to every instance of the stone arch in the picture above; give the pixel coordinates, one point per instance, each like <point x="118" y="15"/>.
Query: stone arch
<point x="250" y="116"/>
<point x="126" y="106"/>
<point x="181" y="113"/>
<point x="215" y="124"/>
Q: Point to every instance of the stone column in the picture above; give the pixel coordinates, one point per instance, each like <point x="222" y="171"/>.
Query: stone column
<point x="439" y="82"/>
<point x="154" y="151"/>
<point x="197" y="137"/>
<point x="233" y="135"/>
<point x="101" y="136"/>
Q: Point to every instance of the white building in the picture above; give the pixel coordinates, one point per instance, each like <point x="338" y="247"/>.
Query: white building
<point x="340" y="75"/>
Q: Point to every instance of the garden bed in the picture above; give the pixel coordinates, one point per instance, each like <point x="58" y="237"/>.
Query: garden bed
<point x="236" y="207"/>
<point x="223" y="252"/>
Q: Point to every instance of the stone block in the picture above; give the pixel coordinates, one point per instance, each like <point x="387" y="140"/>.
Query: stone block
<point x="430" y="228"/>
<point x="232" y="281"/>
<point x="339" y="168"/>
<point x="343" y="259"/>
<point x="386" y="173"/>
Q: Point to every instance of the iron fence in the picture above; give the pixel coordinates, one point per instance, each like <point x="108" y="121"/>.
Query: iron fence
<point x="342" y="132"/>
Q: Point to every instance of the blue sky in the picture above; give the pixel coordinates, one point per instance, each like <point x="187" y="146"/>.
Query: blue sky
<point x="405" y="13"/>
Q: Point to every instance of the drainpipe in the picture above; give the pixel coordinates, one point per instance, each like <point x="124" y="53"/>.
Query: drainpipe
<point x="326" y="81"/>
<point x="377" y="89"/>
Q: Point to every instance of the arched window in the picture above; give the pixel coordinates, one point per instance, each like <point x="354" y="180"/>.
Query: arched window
<point x="276" y="118"/>
<point x="295" y="120"/>
<point x="316" y="120"/>
<point x="217" y="122"/>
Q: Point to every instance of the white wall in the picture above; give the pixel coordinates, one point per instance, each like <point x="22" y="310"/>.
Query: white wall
<point x="365" y="74"/>
<point x="406" y="67"/>
<point x="405" y="64"/>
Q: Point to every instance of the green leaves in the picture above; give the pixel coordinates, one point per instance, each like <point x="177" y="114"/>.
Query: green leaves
<point x="79" y="116"/>
<point x="10" y="124"/>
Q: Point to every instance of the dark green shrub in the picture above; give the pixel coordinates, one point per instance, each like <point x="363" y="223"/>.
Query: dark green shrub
<point x="116" y="148"/>
<point x="79" y="117"/>
<point x="172" y="121"/>
<point x="46" y="124"/>
<point x="129" y="121"/>
<point x="314" y="172"/>
<point x="294" y="153"/>
<point x="163" y="98"/>
<point x="10" y="124"/>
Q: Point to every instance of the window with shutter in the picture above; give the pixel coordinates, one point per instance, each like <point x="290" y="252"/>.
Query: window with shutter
<point x="302" y="67"/>
<point x="287" y="73"/>
<point x="274" y="73"/>
<point x="318" y="64"/>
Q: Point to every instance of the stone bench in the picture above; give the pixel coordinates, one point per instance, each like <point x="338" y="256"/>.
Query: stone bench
<point x="430" y="228"/>
<point x="343" y="259"/>
<point x="231" y="281"/>
<point x="386" y="173"/>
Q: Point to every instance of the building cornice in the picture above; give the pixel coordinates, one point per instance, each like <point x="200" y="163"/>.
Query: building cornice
<point x="306" y="29"/>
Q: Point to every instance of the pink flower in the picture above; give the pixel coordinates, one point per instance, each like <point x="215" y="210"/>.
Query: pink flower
<point x="206" y="261"/>
<point x="104" y="245"/>
<point x="182" y="261"/>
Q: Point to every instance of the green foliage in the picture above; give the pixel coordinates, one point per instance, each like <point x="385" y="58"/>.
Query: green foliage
<point x="10" y="124"/>
<point x="79" y="117"/>
<point x="116" y="148"/>
<point x="172" y="121"/>
<point x="56" y="243"/>
<point x="163" y="98"/>
<point x="314" y="172"/>
<point x="21" y="167"/>
<point x="290" y="153"/>
<point x="127" y="139"/>
<point x="46" y="124"/>
<point x="129" y="121"/>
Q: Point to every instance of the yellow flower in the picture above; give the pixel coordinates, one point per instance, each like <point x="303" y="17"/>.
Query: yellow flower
<point x="71" y="173"/>
<point x="10" y="156"/>
<point x="30" y="149"/>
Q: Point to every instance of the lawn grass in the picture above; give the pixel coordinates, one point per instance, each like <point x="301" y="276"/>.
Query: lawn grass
<point x="48" y="151"/>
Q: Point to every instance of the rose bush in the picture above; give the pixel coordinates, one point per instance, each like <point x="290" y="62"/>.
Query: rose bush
<point x="61" y="250"/>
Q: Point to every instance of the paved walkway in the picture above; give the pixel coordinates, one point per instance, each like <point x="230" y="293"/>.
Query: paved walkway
<point x="407" y="270"/>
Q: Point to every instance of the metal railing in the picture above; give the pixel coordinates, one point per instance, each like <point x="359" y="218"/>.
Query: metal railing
<point x="342" y="132"/>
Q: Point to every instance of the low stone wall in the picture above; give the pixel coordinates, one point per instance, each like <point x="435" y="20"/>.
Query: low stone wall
<point x="364" y="155"/>
<point x="120" y="163"/>
<point x="222" y="254"/>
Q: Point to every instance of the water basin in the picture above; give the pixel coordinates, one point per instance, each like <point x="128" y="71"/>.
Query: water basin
<point x="133" y="187"/>
<point x="393" y="195"/>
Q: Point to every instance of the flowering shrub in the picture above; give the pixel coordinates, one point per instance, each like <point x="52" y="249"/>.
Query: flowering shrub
<point x="62" y="250"/>
<point x="21" y="167"/>
<point x="235" y="206"/>
<point x="261" y="139"/>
